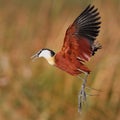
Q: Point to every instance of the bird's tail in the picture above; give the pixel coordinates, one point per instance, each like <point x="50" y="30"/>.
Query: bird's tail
<point x="96" y="46"/>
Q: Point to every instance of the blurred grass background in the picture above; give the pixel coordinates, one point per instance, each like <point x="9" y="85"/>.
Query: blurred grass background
<point x="36" y="91"/>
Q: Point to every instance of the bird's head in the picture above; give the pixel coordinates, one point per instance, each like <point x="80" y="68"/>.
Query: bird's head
<point x="45" y="53"/>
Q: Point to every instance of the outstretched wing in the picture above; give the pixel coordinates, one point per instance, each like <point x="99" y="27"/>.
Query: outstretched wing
<point x="80" y="36"/>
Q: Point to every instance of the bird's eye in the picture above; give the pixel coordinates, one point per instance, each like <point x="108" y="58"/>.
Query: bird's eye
<point x="52" y="53"/>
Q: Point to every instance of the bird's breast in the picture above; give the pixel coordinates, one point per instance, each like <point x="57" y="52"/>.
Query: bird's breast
<point x="69" y="65"/>
<point x="51" y="60"/>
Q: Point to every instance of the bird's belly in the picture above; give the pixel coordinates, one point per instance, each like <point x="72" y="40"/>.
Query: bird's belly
<point x="68" y="69"/>
<point x="71" y="68"/>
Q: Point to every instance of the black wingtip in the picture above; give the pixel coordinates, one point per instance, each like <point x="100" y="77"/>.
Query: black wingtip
<point x="88" y="23"/>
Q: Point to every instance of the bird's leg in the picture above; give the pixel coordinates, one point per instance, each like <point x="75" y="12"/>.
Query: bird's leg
<point x="82" y="94"/>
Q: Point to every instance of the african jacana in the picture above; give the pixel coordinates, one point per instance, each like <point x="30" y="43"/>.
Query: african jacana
<point x="79" y="45"/>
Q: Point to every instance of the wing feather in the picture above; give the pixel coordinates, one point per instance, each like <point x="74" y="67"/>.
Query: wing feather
<point x="88" y="19"/>
<point x="79" y="43"/>
<point x="80" y="36"/>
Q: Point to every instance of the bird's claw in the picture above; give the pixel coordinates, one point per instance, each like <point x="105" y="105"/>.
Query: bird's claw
<point x="81" y="98"/>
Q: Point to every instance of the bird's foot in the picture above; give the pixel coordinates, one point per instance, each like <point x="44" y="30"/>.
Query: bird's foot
<point x="81" y="97"/>
<point x="82" y="94"/>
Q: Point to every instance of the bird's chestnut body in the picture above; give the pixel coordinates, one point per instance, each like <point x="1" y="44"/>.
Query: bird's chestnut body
<point x="79" y="44"/>
<point x="78" y="47"/>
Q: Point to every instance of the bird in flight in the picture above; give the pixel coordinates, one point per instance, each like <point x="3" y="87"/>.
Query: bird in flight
<point x="78" y="47"/>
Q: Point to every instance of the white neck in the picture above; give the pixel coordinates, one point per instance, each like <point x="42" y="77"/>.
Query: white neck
<point x="51" y="60"/>
<point x="47" y="55"/>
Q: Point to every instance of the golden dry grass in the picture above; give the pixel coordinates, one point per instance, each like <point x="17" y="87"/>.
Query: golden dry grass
<point x="37" y="91"/>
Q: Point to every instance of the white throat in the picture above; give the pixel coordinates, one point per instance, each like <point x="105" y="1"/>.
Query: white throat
<point x="47" y="55"/>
